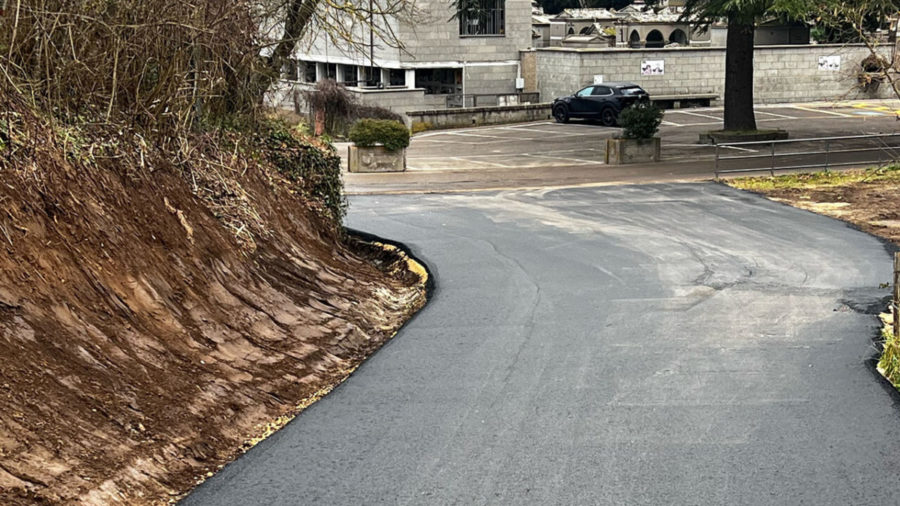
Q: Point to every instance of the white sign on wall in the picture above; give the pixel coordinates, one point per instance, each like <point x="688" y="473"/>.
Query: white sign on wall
<point x="832" y="63"/>
<point x="598" y="79"/>
<point x="653" y="67"/>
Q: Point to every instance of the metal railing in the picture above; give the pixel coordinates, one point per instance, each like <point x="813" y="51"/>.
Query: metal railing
<point x="812" y="153"/>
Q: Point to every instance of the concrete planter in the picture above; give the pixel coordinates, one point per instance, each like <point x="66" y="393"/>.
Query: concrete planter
<point x="623" y="151"/>
<point x="375" y="159"/>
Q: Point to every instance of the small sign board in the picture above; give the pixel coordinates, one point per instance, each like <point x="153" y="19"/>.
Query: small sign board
<point x="653" y="67"/>
<point x="831" y="63"/>
<point x="598" y="79"/>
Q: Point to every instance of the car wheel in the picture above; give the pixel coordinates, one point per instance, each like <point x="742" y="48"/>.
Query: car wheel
<point x="561" y="114"/>
<point x="608" y="117"/>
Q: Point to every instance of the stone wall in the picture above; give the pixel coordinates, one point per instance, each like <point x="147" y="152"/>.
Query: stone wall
<point x="435" y="36"/>
<point x="529" y="71"/>
<point x="499" y="79"/>
<point x="475" y="116"/>
<point x="782" y="73"/>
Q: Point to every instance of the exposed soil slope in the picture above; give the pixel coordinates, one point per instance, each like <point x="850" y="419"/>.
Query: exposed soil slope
<point x="155" y="316"/>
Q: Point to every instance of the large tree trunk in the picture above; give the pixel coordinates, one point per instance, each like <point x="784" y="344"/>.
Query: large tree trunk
<point x="739" y="76"/>
<point x="298" y="14"/>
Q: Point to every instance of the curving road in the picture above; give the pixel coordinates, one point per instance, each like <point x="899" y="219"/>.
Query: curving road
<point x="664" y="344"/>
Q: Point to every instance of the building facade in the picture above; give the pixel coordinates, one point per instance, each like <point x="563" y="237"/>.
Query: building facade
<point x="445" y="61"/>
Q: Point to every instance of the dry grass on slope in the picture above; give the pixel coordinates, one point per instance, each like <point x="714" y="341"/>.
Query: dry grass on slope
<point x="158" y="309"/>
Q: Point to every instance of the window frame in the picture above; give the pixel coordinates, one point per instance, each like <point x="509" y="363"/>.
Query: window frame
<point x="484" y="14"/>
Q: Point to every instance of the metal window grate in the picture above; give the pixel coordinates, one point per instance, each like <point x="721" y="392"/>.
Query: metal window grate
<point x="485" y="17"/>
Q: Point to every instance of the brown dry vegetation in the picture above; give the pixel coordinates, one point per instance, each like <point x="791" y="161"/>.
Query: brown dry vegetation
<point x="869" y="199"/>
<point x="144" y="338"/>
<point x="174" y="279"/>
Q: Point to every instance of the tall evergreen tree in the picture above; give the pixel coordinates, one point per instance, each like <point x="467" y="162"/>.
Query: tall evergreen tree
<point x="742" y="17"/>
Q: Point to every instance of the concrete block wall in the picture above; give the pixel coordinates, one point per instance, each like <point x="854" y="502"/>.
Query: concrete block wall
<point x="475" y="116"/>
<point x="498" y="79"/>
<point x="435" y="37"/>
<point x="782" y="73"/>
<point x="529" y="70"/>
<point x="400" y="101"/>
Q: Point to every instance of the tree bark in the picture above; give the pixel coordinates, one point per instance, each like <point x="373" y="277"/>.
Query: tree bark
<point x="739" y="76"/>
<point x="297" y="18"/>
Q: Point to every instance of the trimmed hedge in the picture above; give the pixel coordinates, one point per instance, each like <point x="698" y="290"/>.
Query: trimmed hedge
<point x="640" y="121"/>
<point x="393" y="135"/>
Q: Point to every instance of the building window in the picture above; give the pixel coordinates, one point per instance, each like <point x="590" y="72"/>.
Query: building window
<point x="482" y="17"/>
<point x="373" y="77"/>
<point x="290" y="70"/>
<point x="439" y="81"/>
<point x="349" y="75"/>
<point x="396" y="77"/>
<point x="331" y="71"/>
<point x="308" y="72"/>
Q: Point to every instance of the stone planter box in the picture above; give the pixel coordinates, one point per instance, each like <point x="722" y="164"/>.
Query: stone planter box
<point x="375" y="159"/>
<point x="623" y="151"/>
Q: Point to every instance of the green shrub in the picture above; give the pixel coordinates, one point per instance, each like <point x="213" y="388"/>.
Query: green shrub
<point x="393" y="135"/>
<point x="318" y="171"/>
<point x="640" y="121"/>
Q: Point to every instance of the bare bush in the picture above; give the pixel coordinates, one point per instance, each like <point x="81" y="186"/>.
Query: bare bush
<point x="157" y="64"/>
<point x="339" y="108"/>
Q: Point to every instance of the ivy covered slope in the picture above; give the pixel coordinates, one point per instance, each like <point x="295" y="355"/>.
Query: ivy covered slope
<point x="161" y="306"/>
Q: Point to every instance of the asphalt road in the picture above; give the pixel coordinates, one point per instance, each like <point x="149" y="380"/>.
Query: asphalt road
<point x="544" y="153"/>
<point x="661" y="344"/>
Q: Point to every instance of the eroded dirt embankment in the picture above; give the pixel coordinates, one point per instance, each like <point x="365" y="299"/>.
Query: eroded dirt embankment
<point x="143" y="341"/>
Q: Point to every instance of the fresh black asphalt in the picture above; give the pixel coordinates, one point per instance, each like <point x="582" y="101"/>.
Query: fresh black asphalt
<point x="663" y="344"/>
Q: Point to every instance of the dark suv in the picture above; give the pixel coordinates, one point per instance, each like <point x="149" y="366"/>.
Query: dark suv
<point x="601" y="101"/>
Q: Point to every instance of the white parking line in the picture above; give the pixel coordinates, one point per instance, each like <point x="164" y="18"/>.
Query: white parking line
<point x="707" y="116"/>
<point x="776" y="115"/>
<point x="711" y="146"/>
<point x="669" y="123"/>
<point x="556" y="133"/>
<point x="579" y="160"/>
<point x="822" y="111"/>
<point x="466" y="159"/>
<point x="476" y="135"/>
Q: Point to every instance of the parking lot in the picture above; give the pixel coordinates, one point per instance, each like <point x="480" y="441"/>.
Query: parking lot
<point x="580" y="143"/>
<point x="545" y="153"/>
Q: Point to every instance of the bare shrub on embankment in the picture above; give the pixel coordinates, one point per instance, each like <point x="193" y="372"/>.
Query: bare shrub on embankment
<point x="173" y="276"/>
<point x="158" y="65"/>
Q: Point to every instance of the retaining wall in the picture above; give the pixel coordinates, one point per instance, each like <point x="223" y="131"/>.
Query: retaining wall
<point x="474" y="116"/>
<point x="781" y="74"/>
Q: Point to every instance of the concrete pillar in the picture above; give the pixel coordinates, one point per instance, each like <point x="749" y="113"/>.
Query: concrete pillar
<point x="410" y="78"/>
<point x="320" y="72"/>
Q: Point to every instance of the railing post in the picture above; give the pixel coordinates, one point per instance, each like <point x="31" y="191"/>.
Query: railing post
<point x="773" y="160"/>
<point x="827" y="150"/>
<point x="717" y="161"/>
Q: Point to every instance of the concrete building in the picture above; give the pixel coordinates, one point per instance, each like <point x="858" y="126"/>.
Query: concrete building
<point x="444" y="62"/>
<point x="631" y="26"/>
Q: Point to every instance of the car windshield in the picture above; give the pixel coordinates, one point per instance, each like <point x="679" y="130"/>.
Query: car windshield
<point x="632" y="90"/>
